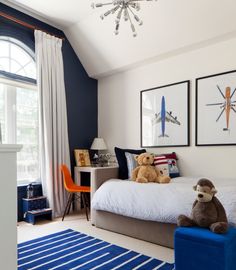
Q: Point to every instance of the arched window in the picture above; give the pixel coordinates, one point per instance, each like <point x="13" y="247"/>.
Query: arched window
<point x="16" y="58"/>
<point x="19" y="105"/>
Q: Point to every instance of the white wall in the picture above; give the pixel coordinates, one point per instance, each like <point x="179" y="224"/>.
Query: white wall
<point x="119" y="106"/>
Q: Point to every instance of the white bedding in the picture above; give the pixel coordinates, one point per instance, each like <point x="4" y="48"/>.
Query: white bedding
<point x="159" y="202"/>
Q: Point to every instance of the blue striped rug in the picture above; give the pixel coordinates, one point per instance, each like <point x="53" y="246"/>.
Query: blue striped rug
<point x="73" y="250"/>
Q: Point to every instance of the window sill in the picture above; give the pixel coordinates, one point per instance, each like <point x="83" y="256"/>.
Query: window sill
<point x="26" y="183"/>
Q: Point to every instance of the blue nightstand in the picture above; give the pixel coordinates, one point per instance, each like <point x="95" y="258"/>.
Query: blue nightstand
<point x="35" y="208"/>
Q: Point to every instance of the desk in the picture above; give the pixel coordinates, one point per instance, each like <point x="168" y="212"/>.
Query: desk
<point x="96" y="173"/>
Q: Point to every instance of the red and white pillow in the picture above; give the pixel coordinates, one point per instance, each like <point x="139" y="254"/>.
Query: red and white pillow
<point x="167" y="164"/>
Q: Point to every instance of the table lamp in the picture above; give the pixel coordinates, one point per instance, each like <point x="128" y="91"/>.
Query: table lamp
<point x="98" y="145"/>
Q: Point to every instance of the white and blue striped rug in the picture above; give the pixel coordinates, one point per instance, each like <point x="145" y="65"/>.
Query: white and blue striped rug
<point x="73" y="250"/>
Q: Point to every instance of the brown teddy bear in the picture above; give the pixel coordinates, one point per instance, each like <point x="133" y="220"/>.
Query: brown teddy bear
<point x="145" y="172"/>
<point x="207" y="210"/>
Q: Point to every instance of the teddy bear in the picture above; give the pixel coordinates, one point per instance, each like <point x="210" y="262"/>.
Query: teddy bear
<point x="145" y="172"/>
<point x="207" y="211"/>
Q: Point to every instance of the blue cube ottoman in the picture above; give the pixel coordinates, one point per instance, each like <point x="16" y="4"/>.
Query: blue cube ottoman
<point x="200" y="249"/>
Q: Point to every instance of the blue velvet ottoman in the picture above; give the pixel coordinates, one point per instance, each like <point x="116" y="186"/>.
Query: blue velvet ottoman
<point x="200" y="249"/>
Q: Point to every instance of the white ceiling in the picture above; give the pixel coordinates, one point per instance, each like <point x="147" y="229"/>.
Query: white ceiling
<point x="63" y="13"/>
<point x="170" y="27"/>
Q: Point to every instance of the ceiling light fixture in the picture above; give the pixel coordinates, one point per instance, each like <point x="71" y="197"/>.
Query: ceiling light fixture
<point x="125" y="8"/>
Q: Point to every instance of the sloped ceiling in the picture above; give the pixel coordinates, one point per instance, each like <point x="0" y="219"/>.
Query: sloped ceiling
<point x="170" y="27"/>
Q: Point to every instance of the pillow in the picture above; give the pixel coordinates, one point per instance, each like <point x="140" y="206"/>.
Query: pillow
<point x="131" y="163"/>
<point x="121" y="159"/>
<point x="167" y="164"/>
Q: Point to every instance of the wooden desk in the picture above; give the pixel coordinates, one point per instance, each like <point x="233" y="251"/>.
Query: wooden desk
<point x="95" y="172"/>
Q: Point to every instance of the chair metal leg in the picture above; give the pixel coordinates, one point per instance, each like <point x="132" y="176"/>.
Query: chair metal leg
<point x="85" y="205"/>
<point x="71" y="201"/>
<point x="67" y="205"/>
<point x="87" y="199"/>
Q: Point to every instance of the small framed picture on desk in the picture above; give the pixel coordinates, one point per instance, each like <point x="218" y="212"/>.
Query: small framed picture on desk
<point x="82" y="158"/>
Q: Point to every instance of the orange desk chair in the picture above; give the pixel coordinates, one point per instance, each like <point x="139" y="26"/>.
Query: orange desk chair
<point x="72" y="188"/>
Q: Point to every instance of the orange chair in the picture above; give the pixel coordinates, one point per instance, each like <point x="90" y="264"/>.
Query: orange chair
<point x="72" y="188"/>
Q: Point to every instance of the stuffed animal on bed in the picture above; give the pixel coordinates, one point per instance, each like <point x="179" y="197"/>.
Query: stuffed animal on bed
<point x="207" y="211"/>
<point x="145" y="172"/>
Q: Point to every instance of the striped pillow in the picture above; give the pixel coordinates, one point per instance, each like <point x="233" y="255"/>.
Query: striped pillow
<point x="167" y="164"/>
<point x="131" y="163"/>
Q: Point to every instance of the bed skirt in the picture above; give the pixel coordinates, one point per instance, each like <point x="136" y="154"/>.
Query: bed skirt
<point x="151" y="231"/>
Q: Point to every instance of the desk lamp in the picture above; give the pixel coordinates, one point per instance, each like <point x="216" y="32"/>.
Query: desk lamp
<point x="98" y="145"/>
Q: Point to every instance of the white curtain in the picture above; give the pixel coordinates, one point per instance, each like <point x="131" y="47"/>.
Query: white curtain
<point x="54" y="145"/>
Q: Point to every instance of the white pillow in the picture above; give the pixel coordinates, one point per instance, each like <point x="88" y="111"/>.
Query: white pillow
<point x="131" y="163"/>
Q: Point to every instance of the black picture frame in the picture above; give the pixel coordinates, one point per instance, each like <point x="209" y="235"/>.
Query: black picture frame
<point x="176" y="136"/>
<point x="212" y="129"/>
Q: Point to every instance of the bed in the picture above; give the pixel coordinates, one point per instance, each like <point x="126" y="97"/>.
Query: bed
<point x="149" y="211"/>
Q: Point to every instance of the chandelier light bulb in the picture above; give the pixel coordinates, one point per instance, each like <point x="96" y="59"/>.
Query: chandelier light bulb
<point x="137" y="7"/>
<point x="138" y="20"/>
<point x="115" y="9"/>
<point x="128" y="7"/>
<point x="96" y="5"/>
<point x="117" y="29"/>
<point x="126" y="15"/>
<point x="107" y="13"/>
<point x="119" y="16"/>
<point x="133" y="30"/>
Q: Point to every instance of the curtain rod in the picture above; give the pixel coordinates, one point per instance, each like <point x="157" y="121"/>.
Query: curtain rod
<point x="25" y="24"/>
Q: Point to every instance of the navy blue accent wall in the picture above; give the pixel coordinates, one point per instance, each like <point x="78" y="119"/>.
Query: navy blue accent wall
<point x="81" y="91"/>
<point x="81" y="95"/>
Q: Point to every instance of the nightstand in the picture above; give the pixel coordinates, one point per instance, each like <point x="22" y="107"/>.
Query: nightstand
<point x="35" y="208"/>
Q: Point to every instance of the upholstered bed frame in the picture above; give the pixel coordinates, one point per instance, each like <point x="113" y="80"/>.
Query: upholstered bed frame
<point x="155" y="232"/>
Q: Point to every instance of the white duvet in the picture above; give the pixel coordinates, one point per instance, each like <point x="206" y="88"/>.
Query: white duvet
<point x="160" y="202"/>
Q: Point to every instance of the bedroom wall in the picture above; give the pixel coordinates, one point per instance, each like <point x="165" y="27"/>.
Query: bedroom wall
<point x="119" y="106"/>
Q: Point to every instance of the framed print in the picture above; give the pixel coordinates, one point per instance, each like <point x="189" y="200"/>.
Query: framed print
<point x="82" y="158"/>
<point x="216" y="109"/>
<point x="165" y="115"/>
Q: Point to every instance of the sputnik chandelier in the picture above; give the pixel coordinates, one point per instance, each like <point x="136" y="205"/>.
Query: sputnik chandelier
<point x="125" y="8"/>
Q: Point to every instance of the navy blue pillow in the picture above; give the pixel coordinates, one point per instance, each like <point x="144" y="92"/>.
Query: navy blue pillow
<point x="122" y="162"/>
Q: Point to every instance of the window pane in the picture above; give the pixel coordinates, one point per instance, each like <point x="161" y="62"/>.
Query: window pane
<point x="14" y="59"/>
<point x="4" y="63"/>
<point x="19" y="108"/>
<point x="15" y="66"/>
<point x="4" y="48"/>
<point x="30" y="70"/>
<point x="19" y="55"/>
<point x="27" y="133"/>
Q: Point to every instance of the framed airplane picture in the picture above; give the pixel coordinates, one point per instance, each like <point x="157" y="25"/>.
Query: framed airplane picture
<point x="216" y="109"/>
<point x="165" y="115"/>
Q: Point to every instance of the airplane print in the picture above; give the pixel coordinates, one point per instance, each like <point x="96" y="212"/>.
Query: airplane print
<point x="164" y="116"/>
<point x="227" y="105"/>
